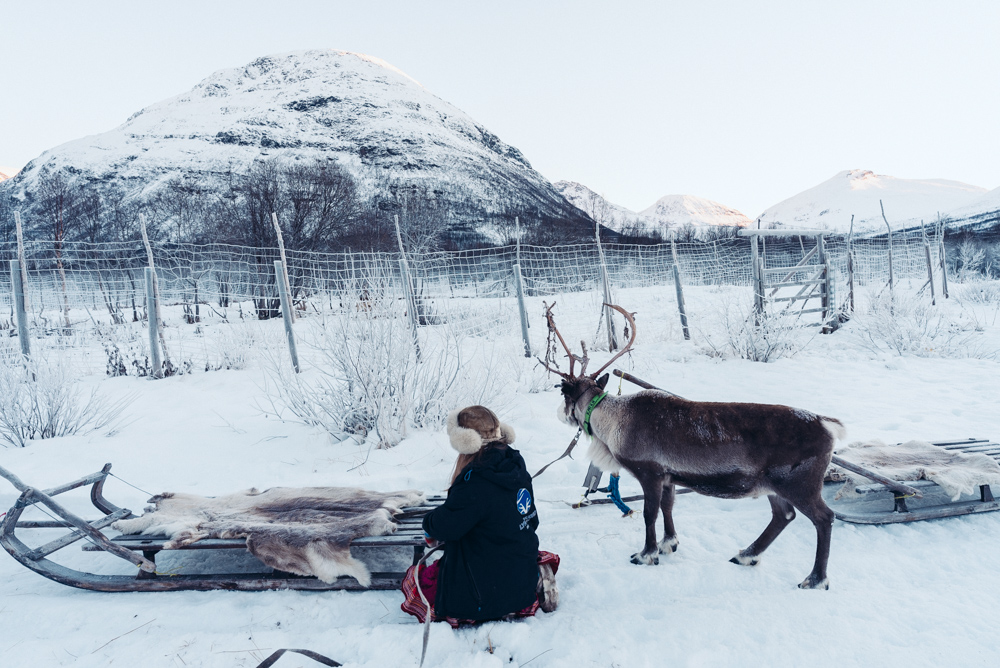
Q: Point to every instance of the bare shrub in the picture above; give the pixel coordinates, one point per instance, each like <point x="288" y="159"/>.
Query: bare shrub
<point x="39" y="400"/>
<point x="368" y="382"/>
<point x="740" y="332"/>
<point x="901" y="323"/>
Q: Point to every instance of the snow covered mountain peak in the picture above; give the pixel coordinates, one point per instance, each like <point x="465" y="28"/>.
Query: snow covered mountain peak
<point x="857" y="192"/>
<point x="7" y="173"/>
<point x="375" y="121"/>
<point x="672" y="210"/>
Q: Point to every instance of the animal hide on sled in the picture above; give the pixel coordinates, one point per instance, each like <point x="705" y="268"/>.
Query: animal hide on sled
<point x="302" y="530"/>
<point x="955" y="472"/>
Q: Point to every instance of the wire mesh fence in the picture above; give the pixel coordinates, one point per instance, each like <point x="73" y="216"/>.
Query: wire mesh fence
<point x="87" y="302"/>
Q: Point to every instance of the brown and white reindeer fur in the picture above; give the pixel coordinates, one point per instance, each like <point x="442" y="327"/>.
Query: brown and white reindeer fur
<point x="728" y="450"/>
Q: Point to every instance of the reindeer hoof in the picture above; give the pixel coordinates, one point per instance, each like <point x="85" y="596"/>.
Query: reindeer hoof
<point x="648" y="559"/>
<point x="669" y="545"/>
<point x="813" y="582"/>
<point x="746" y="559"/>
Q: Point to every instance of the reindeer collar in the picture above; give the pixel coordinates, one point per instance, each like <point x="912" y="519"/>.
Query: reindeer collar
<point x="590" y="409"/>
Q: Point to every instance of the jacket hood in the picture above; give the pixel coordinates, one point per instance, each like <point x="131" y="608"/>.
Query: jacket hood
<point x="502" y="466"/>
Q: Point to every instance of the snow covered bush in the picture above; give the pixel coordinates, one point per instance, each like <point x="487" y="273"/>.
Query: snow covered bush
<point x="39" y="400"/>
<point x="904" y="323"/>
<point x="736" y="331"/>
<point x="369" y="382"/>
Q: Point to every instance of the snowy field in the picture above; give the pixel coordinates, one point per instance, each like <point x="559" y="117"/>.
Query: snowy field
<point x="914" y="595"/>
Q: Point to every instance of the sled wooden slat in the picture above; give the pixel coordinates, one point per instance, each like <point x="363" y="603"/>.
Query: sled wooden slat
<point x="70" y="538"/>
<point x="86" y="480"/>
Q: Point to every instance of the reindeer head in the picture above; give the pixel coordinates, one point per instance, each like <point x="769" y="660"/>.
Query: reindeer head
<point x="575" y="386"/>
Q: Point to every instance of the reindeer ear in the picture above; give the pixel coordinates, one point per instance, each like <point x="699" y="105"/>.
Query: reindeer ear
<point x="602" y="382"/>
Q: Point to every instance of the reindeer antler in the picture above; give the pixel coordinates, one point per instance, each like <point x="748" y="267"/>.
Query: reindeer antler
<point x="631" y="321"/>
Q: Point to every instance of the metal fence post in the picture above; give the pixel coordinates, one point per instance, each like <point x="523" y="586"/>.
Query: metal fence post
<point x="286" y="313"/>
<point x="520" y="306"/>
<point x="19" y="311"/>
<point x="680" y="292"/>
<point x="152" y="315"/>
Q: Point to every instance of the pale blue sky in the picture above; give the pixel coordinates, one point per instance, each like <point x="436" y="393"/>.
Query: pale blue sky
<point x="746" y="103"/>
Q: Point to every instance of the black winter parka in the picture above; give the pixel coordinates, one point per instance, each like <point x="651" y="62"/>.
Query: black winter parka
<point x="489" y="568"/>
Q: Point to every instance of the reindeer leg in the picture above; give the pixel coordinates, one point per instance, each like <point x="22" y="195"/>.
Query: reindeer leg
<point x="822" y="518"/>
<point x="782" y="513"/>
<point x="652" y="491"/>
<point x="669" y="543"/>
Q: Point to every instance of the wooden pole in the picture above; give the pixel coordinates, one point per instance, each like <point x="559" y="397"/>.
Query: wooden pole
<point x="411" y="299"/>
<point x="156" y="290"/>
<point x="152" y="315"/>
<point x="284" y="262"/>
<point x="825" y="296"/>
<point x="930" y="267"/>
<point x="944" y="265"/>
<point x="680" y="292"/>
<point x="850" y="268"/>
<point x="20" y="313"/>
<point x="286" y="314"/>
<point x="608" y="319"/>
<point x="20" y="257"/>
<point x="890" y="243"/>
<point x="524" y="313"/>
<point x="757" y="274"/>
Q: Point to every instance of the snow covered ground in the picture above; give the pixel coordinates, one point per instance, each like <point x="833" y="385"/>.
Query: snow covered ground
<point x="916" y="595"/>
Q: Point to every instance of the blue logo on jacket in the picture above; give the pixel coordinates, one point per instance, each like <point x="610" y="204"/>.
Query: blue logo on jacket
<point x="523" y="501"/>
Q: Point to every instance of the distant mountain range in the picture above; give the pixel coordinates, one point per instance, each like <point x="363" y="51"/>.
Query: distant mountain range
<point x="667" y="216"/>
<point x="376" y="122"/>
<point x="7" y="172"/>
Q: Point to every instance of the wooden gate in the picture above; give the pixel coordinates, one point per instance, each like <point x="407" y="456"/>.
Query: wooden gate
<point x="803" y="288"/>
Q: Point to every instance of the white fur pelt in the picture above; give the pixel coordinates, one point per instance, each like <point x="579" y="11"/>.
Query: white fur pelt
<point x="303" y="530"/>
<point x="955" y="472"/>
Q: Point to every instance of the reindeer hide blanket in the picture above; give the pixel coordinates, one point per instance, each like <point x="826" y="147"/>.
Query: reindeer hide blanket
<point x="955" y="472"/>
<point x="303" y="530"/>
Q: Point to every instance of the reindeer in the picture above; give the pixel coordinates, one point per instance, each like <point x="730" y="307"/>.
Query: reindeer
<point x="728" y="450"/>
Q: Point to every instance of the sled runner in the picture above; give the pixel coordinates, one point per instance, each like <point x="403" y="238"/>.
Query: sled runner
<point x="911" y="500"/>
<point x="141" y="551"/>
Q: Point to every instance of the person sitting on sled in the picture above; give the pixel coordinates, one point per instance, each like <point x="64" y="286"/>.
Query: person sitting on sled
<point x="492" y="567"/>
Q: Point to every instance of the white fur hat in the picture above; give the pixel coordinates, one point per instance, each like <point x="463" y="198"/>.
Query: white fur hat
<point x="488" y="429"/>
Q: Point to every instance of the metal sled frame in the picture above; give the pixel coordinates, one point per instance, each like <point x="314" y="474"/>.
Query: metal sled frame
<point x="409" y="534"/>
<point x="901" y="491"/>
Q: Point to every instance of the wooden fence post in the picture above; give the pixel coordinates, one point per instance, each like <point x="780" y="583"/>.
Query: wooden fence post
<point x="943" y="259"/>
<point x="284" y="262"/>
<point x="825" y="287"/>
<point x="156" y="289"/>
<point x="286" y="313"/>
<point x="605" y="279"/>
<point x="20" y="313"/>
<point x="757" y="274"/>
<point x="850" y="268"/>
<point x="21" y="257"/>
<point x="890" y="243"/>
<point x="930" y="267"/>
<point x="153" y="317"/>
<point x="520" y="307"/>
<point x="411" y="298"/>
<point x="680" y="292"/>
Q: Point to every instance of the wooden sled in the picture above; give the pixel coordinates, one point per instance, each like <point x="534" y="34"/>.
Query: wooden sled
<point x="912" y="500"/>
<point x="141" y="551"/>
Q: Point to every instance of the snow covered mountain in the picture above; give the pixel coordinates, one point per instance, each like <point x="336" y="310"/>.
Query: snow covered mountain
<point x="667" y="213"/>
<point x="7" y="172"/>
<point x="830" y="205"/>
<point x="377" y="122"/>
<point x="680" y="210"/>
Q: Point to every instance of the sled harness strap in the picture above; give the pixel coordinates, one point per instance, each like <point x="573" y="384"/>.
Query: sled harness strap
<point x="566" y="453"/>
<point x="269" y="661"/>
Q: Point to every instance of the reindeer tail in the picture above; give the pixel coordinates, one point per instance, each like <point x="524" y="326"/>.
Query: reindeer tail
<point x="836" y="428"/>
